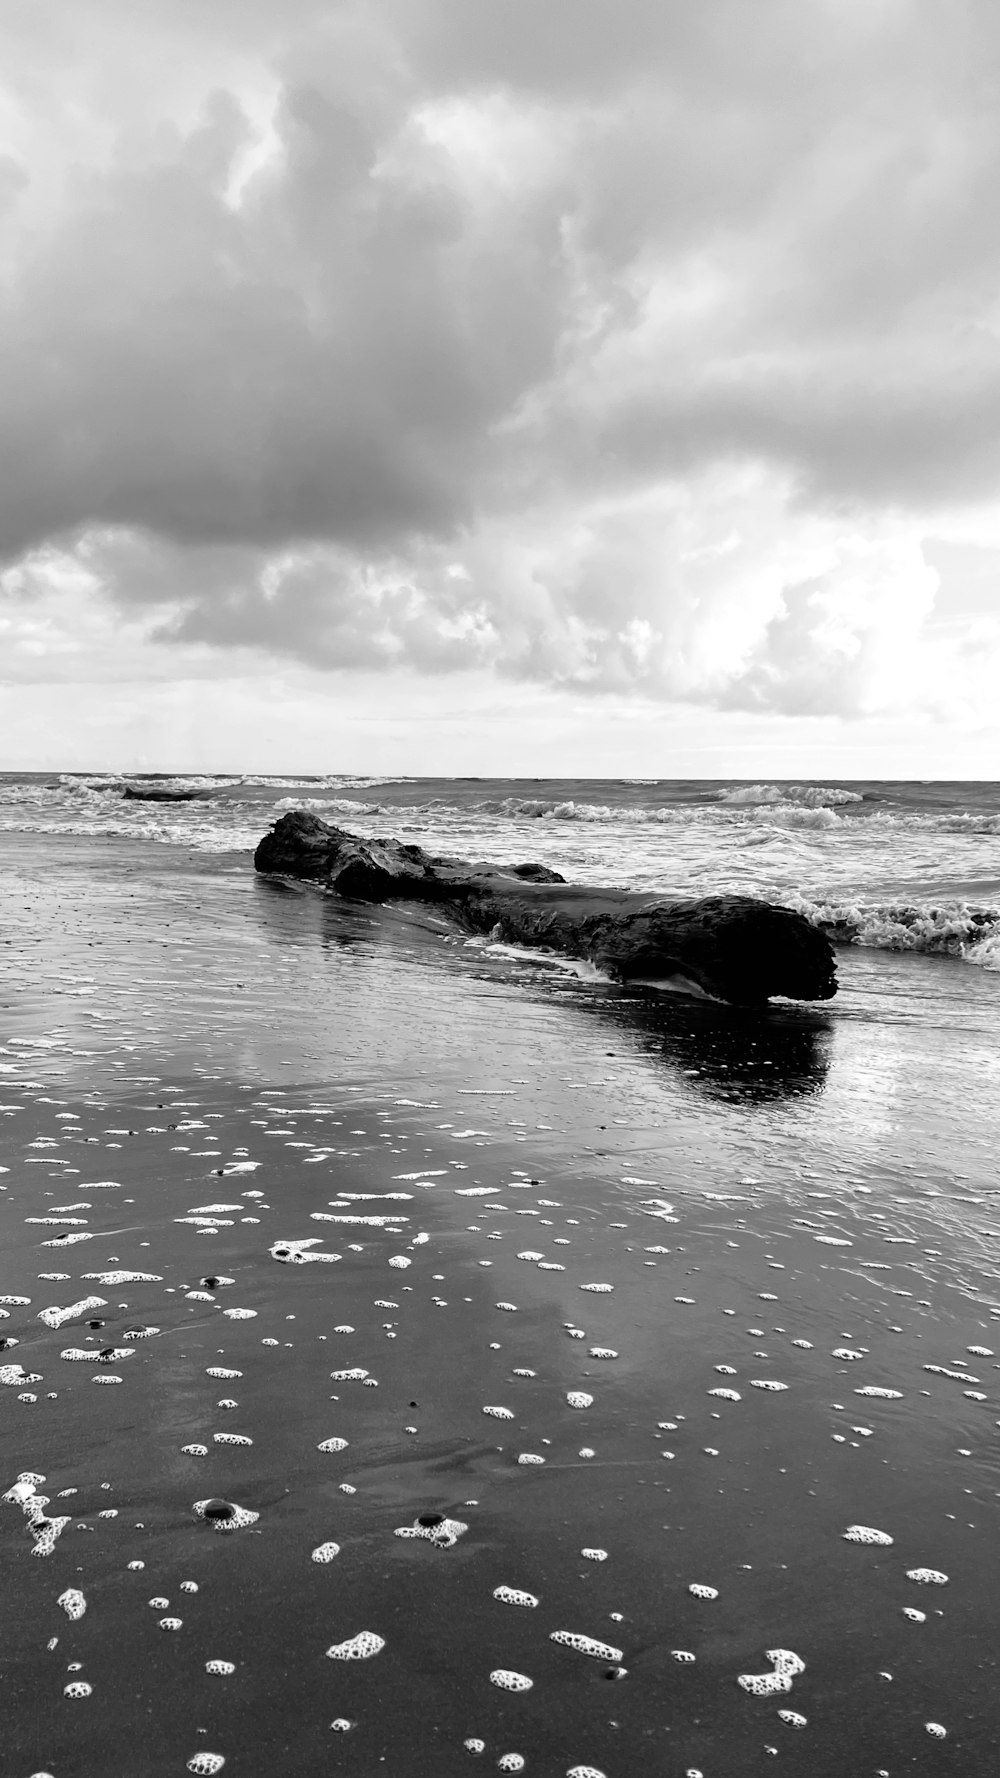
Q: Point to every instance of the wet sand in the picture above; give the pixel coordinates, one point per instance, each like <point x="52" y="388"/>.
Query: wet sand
<point x="197" y="1067"/>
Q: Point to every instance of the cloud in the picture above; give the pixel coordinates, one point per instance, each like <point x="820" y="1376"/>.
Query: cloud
<point x="598" y="347"/>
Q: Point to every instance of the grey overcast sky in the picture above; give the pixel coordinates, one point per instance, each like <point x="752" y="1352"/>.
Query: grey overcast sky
<point x="501" y="385"/>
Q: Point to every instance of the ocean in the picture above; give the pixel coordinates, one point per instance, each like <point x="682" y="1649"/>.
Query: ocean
<point x="416" y="1352"/>
<point x="889" y="864"/>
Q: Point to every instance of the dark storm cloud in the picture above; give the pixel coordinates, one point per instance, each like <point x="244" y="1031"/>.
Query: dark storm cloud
<point x="442" y="376"/>
<point x="311" y="365"/>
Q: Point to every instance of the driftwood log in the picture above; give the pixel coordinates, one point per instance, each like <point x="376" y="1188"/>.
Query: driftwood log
<point x="731" y="946"/>
<point x="136" y="794"/>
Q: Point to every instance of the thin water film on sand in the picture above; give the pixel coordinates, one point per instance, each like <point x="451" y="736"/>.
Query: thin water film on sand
<point x="635" y="1408"/>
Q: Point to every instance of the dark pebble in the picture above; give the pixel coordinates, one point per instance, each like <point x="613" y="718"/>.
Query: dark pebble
<point x="220" y="1509"/>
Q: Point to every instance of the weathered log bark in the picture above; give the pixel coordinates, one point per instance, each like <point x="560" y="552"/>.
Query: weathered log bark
<point x="731" y="946"/>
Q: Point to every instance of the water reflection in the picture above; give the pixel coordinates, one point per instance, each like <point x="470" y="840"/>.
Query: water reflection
<point x="729" y="1054"/>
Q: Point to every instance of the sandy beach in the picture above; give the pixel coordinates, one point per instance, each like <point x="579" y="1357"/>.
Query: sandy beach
<point x="641" y="1307"/>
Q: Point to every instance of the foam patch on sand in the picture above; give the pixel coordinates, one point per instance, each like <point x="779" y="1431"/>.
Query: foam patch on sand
<point x="56" y="1318"/>
<point x="786" y="1667"/>
<point x="225" y="1515"/>
<point x="357" y="1648"/>
<point x="297" y="1253"/>
<point x="509" y="1681"/>
<point x="586" y="1645"/>
<point x="435" y="1528"/>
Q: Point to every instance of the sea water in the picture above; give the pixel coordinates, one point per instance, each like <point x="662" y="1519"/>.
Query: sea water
<point x="678" y="1325"/>
<point x="898" y="865"/>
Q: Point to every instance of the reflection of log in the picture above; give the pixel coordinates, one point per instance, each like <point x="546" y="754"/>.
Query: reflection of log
<point x="732" y="946"/>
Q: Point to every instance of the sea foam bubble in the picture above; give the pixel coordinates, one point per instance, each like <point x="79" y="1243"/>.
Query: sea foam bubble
<point x="586" y="1645"/>
<point x="786" y="1666"/>
<point x="357" y="1648"/>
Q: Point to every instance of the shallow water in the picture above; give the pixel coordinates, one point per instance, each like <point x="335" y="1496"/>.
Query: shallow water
<point x="807" y="1198"/>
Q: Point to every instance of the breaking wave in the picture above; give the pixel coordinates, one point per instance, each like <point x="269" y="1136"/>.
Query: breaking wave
<point x="968" y="823"/>
<point x="789" y="813"/>
<point x="948" y="929"/>
<point x="330" y="805"/>
<point x="117" y="781"/>
<point x="807" y="796"/>
<point x="514" y="808"/>
<point x="538" y="809"/>
<point x="794" y="816"/>
<point x="328" y="781"/>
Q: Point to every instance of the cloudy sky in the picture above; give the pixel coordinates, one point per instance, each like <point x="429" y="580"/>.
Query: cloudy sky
<point x="530" y="386"/>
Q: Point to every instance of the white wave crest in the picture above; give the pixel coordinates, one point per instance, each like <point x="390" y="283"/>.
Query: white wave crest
<point x="807" y="796"/>
<point x="335" y="805"/>
<point x="329" y="781"/>
<point x="117" y="781"/>
<point x="985" y="952"/>
<point x="796" y="816"/>
<point x="205" y="837"/>
<point x="968" y="823"/>
<point x="950" y="929"/>
<point x="538" y="809"/>
<point x="83" y="788"/>
<point x="792" y="806"/>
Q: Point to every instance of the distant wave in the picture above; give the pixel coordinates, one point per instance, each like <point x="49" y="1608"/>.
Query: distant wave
<point x="768" y="817"/>
<point x="115" y="782"/>
<point x="969" y="823"/>
<point x="529" y="808"/>
<point x="517" y="808"/>
<point x="947" y="929"/>
<point x="508" y="807"/>
<point x="69" y="792"/>
<point x="331" y="805"/>
<point x="94" y="782"/>
<point x="958" y="821"/>
<point x="807" y="796"/>
<point x="815" y="809"/>
<point x="324" y="781"/>
<point x="766" y="807"/>
<point x="203" y="837"/>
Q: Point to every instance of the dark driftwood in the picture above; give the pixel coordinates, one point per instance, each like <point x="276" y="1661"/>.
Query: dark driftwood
<point x="140" y="795"/>
<point x="732" y="946"/>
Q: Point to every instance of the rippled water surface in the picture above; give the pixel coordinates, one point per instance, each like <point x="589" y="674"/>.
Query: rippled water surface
<point x="464" y="1324"/>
